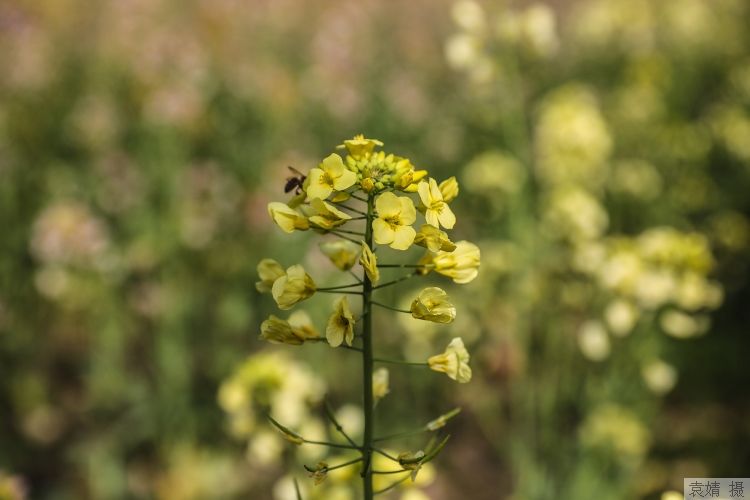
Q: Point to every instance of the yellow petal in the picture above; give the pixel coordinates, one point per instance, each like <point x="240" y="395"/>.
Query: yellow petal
<point x="408" y="212"/>
<point x="403" y="237"/>
<point x="382" y="232"/>
<point x="387" y="205"/>
<point x="320" y="185"/>
<point x="446" y="217"/>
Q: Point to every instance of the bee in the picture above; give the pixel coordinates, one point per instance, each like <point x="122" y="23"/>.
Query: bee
<point x="295" y="181"/>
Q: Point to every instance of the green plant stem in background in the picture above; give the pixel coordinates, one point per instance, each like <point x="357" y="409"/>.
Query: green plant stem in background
<point x="367" y="367"/>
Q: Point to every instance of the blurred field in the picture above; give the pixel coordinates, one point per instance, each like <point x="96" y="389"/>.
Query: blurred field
<point x="603" y="152"/>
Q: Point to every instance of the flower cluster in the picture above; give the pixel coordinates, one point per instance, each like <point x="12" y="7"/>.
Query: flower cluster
<point x="366" y="200"/>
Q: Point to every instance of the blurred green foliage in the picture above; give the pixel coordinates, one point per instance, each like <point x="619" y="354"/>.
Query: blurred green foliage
<point x="603" y="151"/>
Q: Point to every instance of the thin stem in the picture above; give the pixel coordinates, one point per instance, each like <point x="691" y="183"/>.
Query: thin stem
<point x="386" y="455"/>
<point x="367" y="200"/>
<point x="367" y="367"/>
<point x="400" y="435"/>
<point x="350" y="462"/>
<point x="353" y="210"/>
<point x="332" y="445"/>
<point x="356" y="233"/>
<point x="390" y="471"/>
<point x="350" y="292"/>
<point x="385" y="360"/>
<point x="336" y="424"/>
<point x="386" y="306"/>
<point x="391" y="486"/>
<point x="399" y="280"/>
<point x="359" y="280"/>
<point x="344" y="237"/>
<point x="337" y="287"/>
<point x="425" y="266"/>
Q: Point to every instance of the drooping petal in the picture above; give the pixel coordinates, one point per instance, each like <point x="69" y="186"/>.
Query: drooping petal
<point x="446" y="217"/>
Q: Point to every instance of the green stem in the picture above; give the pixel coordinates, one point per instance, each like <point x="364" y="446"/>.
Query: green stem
<point x="399" y="280"/>
<point x="337" y="287"/>
<point x="386" y="306"/>
<point x="367" y="369"/>
<point x="390" y="487"/>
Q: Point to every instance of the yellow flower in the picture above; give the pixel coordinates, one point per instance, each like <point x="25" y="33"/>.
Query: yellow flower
<point x="340" y="326"/>
<point x="454" y="362"/>
<point x="370" y="263"/>
<point x="302" y="325"/>
<point x="433" y="239"/>
<point x="326" y="215"/>
<point x="277" y="331"/>
<point x="288" y="219"/>
<point x="437" y="211"/>
<point x="294" y="286"/>
<point x="449" y="189"/>
<point x="406" y="178"/>
<point x="432" y="304"/>
<point x="319" y="473"/>
<point x="343" y="253"/>
<point x="396" y="214"/>
<point x="462" y="264"/>
<point x="269" y="271"/>
<point x="380" y="383"/>
<point x="359" y="146"/>
<point x="330" y="175"/>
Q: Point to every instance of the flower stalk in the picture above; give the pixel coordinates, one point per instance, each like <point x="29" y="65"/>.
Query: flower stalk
<point x="367" y="368"/>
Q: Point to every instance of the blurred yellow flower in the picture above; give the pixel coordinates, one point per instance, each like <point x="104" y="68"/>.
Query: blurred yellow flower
<point x="277" y="331"/>
<point x="432" y="304"/>
<point x="319" y="473"/>
<point x="326" y="215"/>
<point x="330" y="175"/>
<point x="268" y="271"/>
<point x="437" y="211"/>
<point x="396" y="214"/>
<point x="340" y="326"/>
<point x="294" y="286"/>
<point x="370" y="263"/>
<point x="433" y="239"/>
<point x="288" y="219"/>
<point x="462" y="265"/>
<point x="449" y="189"/>
<point x="302" y="325"/>
<point x="380" y="383"/>
<point x="454" y="362"/>
<point x="343" y="253"/>
<point x="360" y="146"/>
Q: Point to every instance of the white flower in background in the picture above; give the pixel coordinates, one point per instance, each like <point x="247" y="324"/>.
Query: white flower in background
<point x="660" y="377"/>
<point x="593" y="341"/>
<point x="469" y="15"/>
<point x="621" y="316"/>
<point x="681" y="325"/>
<point x="462" y="51"/>
<point x="572" y="139"/>
<point x="575" y="214"/>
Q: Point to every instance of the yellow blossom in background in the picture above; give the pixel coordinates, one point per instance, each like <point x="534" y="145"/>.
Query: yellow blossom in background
<point x="360" y="146"/>
<point x="369" y="263"/>
<point x="342" y="253"/>
<point x="277" y="331"/>
<point x="433" y="239"/>
<point x="437" y="211"/>
<point x="432" y="304"/>
<point x="340" y="326"/>
<point x="330" y="175"/>
<point x="462" y="264"/>
<point x="288" y="219"/>
<point x="449" y="189"/>
<point x="326" y="215"/>
<point x="380" y="383"/>
<point x="268" y="271"/>
<point x="319" y="473"/>
<point x="660" y="376"/>
<point x="302" y="325"/>
<point x="396" y="214"/>
<point x="294" y="286"/>
<point x="454" y="362"/>
<point x="594" y="341"/>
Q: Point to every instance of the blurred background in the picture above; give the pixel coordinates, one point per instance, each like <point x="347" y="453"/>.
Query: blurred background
<point x="603" y="152"/>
